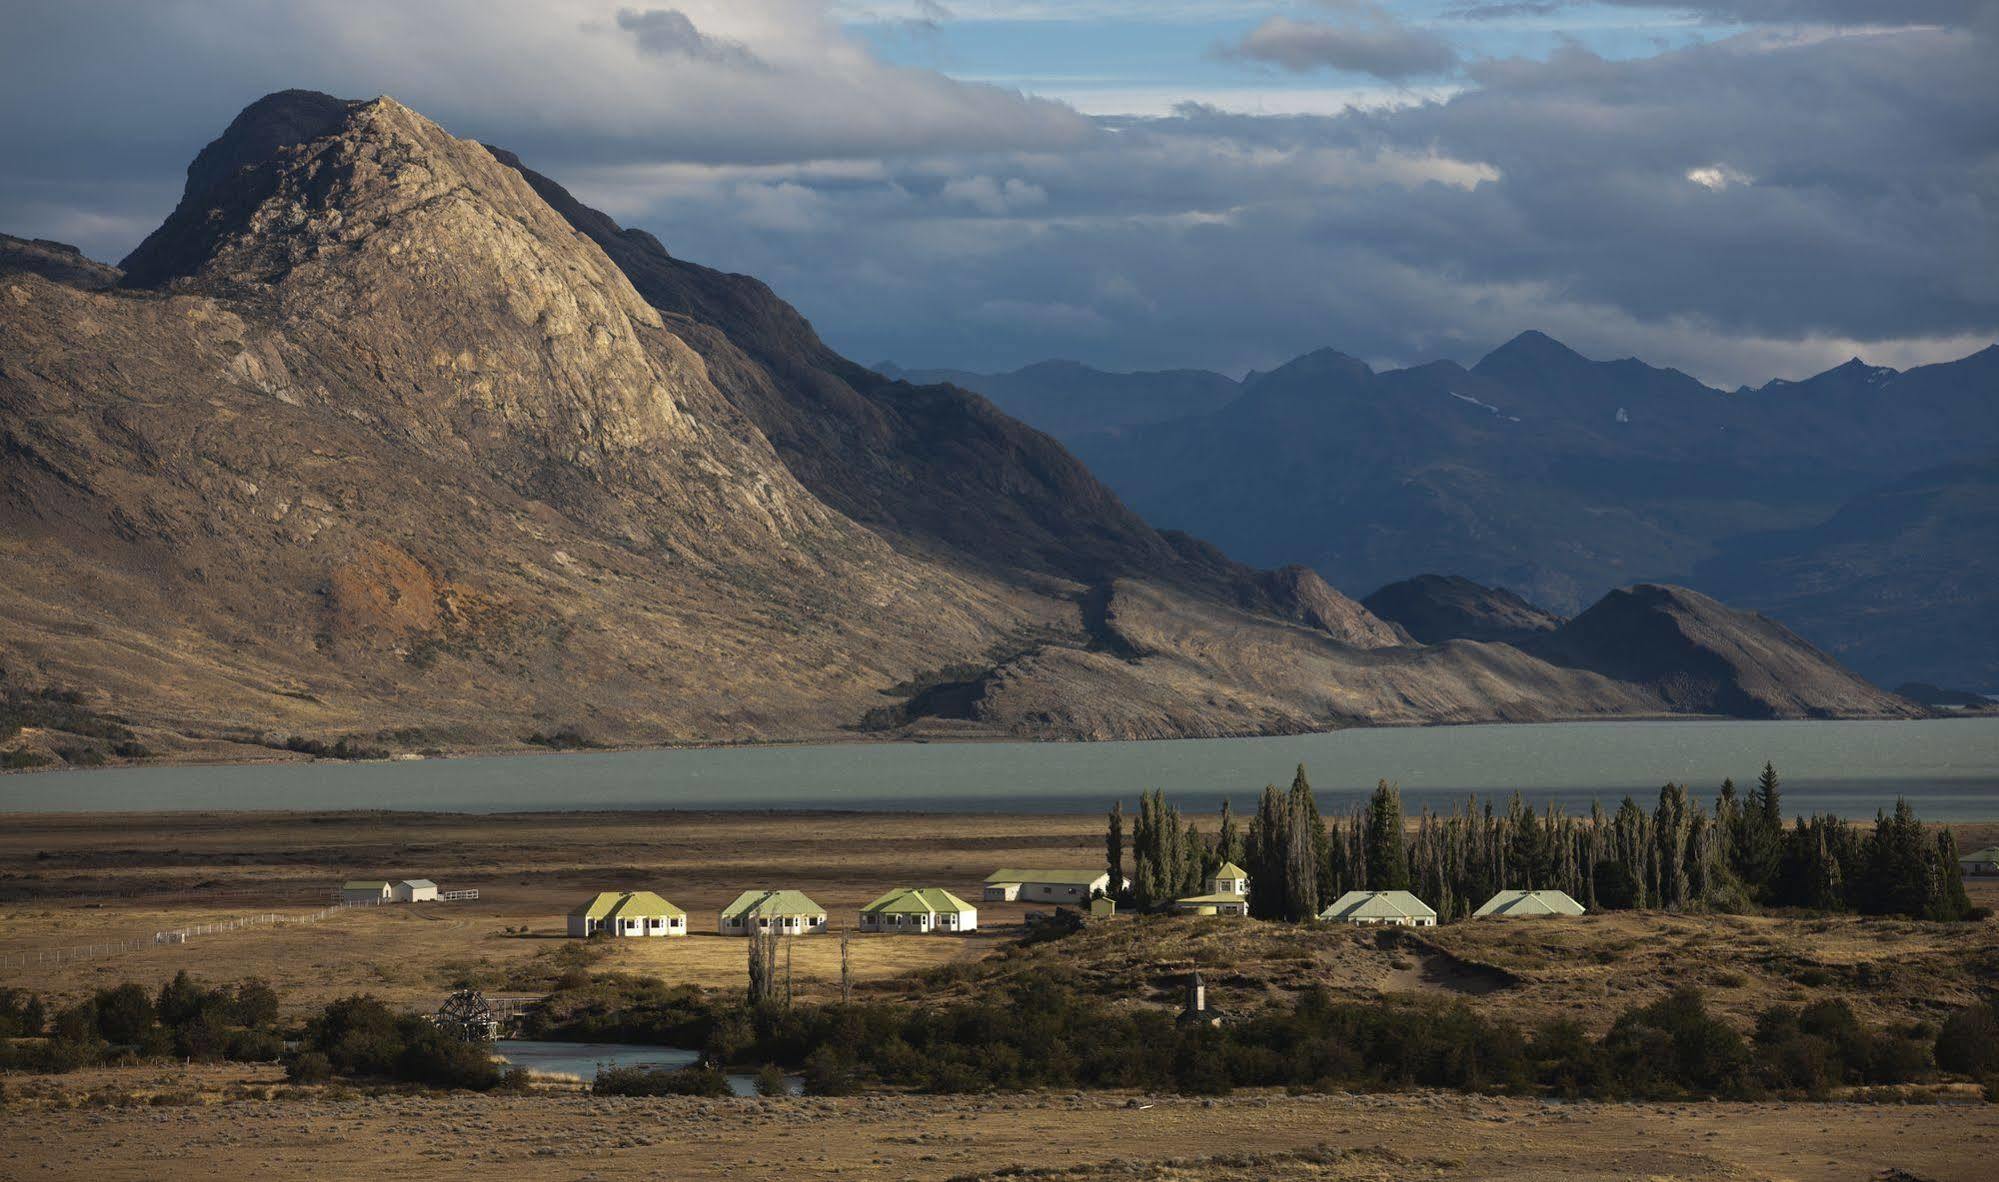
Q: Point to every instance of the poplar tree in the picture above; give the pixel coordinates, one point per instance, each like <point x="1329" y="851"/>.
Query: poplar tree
<point x="1387" y="861"/>
<point x="1114" y="849"/>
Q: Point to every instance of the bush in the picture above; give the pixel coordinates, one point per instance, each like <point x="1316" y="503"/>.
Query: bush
<point x="770" y="1081"/>
<point x="642" y="1081"/>
<point x="1968" y="1043"/>
<point x="309" y="1067"/>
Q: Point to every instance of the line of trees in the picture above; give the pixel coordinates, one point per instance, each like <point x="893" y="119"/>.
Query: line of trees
<point x="1044" y="1032"/>
<point x="184" y="1019"/>
<point x="1677" y="855"/>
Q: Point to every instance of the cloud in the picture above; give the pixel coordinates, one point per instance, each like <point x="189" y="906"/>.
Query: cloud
<point x="994" y="197"/>
<point x="1750" y="207"/>
<point x="667" y="32"/>
<point x="1367" y="39"/>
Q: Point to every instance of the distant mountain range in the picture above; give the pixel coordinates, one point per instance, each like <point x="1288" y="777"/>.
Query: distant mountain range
<point x="385" y="442"/>
<point x="1856" y="505"/>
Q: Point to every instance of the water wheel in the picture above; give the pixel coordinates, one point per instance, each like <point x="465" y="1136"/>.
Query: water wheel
<point x="466" y="1015"/>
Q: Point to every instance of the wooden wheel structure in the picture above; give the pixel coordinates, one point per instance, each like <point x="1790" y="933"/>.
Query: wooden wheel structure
<point x="466" y="1015"/>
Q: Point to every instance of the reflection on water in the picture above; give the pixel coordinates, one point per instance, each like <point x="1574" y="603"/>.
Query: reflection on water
<point x="585" y="1059"/>
<point x="1948" y="768"/>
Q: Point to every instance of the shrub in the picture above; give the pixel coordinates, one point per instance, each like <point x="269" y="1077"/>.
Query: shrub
<point x="1969" y="1041"/>
<point x="309" y="1067"/>
<point x="770" y="1081"/>
<point x="642" y="1081"/>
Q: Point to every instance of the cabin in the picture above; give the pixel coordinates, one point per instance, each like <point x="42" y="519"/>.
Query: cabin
<point x="1516" y="904"/>
<point x="1227" y="894"/>
<point x="788" y="913"/>
<point x="413" y="890"/>
<point x="918" y="911"/>
<point x="627" y="913"/>
<point x="1049" y="886"/>
<point x="1387" y="908"/>
<point x="365" y="892"/>
<point x="1980" y="862"/>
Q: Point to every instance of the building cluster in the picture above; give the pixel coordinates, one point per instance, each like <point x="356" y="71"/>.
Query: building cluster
<point x="936" y="910"/>
<point x="369" y="892"/>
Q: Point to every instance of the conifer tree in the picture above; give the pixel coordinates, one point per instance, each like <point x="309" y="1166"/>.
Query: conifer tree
<point x="1114" y="850"/>
<point x="1387" y="861"/>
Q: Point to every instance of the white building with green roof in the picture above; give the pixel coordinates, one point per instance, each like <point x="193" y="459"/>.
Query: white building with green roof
<point x="919" y="911"/>
<point x="789" y="913"/>
<point x="1227" y="894"/>
<point x="1048" y="886"/>
<point x="1388" y="908"/>
<point x="1522" y="904"/>
<point x="1980" y="862"/>
<point x="627" y="913"/>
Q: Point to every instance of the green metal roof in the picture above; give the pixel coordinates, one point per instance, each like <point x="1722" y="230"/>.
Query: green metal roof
<point x="1219" y="897"/>
<point x="1529" y="903"/>
<point x="762" y="903"/>
<point x="627" y="905"/>
<point x="375" y="884"/>
<point x="1378" y="905"/>
<point x="917" y="901"/>
<point x="1080" y="878"/>
<point x="1230" y="870"/>
<point x="1989" y="854"/>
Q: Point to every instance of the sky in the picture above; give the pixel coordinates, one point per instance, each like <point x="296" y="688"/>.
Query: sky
<point x="1743" y="189"/>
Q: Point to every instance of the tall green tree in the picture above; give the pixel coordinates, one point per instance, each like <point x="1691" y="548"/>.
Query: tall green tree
<point x="1114" y="849"/>
<point x="1387" y="859"/>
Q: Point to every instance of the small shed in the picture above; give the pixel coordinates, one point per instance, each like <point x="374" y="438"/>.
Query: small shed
<point x="1388" y="908"/>
<point x="363" y="892"/>
<point x="1980" y="862"/>
<point x="414" y="890"/>
<point x="917" y="910"/>
<point x="789" y="913"/>
<point x="627" y="913"/>
<point x="1512" y="904"/>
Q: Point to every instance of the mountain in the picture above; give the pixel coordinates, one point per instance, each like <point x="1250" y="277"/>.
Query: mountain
<point x="384" y="442"/>
<point x="1703" y="657"/>
<point x="1899" y="582"/>
<point x="1436" y="608"/>
<point x="1068" y="399"/>
<point x="1551" y="473"/>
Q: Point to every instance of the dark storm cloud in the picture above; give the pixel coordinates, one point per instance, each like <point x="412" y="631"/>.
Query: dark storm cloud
<point x="1763" y="205"/>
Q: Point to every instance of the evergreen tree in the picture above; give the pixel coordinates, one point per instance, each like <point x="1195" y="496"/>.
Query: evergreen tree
<point x="1387" y="860"/>
<point x="1114" y="849"/>
<point x="1228" y="839"/>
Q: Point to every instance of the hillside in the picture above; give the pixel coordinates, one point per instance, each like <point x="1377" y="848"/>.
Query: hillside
<point x="1436" y="608"/>
<point x="382" y="438"/>
<point x="1900" y="580"/>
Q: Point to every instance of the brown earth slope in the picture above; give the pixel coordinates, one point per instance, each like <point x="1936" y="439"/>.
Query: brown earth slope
<point x="371" y="440"/>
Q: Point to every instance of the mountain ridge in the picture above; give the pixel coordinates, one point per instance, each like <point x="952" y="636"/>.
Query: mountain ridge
<point x="384" y="444"/>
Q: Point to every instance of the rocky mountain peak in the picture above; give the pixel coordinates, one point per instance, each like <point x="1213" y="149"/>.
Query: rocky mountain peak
<point x="1530" y="352"/>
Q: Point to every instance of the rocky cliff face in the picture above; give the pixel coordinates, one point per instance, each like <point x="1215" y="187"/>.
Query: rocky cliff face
<point x="382" y="437"/>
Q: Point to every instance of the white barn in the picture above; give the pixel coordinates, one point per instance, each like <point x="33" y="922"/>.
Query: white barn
<point x="1048" y="886"/>
<point x="1514" y="904"/>
<point x="1388" y="908"/>
<point x="362" y="892"/>
<point x="414" y="890"/>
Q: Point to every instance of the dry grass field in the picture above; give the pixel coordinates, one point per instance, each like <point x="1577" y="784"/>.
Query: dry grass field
<point x="66" y="881"/>
<point x="216" y="1116"/>
<point x="71" y="880"/>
